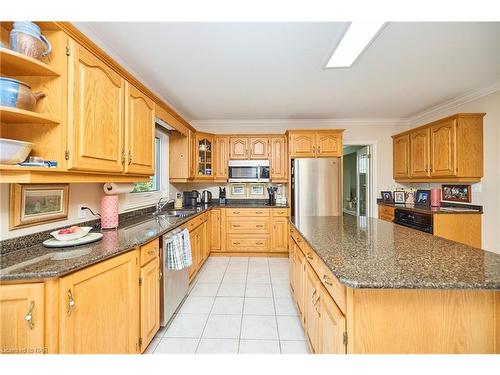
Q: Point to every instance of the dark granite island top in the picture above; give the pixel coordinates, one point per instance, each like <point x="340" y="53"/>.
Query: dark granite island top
<point x="371" y="253"/>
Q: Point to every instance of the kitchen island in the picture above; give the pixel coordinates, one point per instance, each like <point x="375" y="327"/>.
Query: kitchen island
<point x="394" y="289"/>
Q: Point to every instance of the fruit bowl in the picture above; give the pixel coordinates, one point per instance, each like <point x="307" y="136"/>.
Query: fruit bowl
<point x="72" y="233"/>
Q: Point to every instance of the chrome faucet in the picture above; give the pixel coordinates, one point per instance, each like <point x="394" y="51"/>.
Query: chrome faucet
<point x="161" y="204"/>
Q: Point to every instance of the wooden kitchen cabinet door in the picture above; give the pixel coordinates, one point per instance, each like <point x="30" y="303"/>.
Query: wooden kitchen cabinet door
<point x="419" y="153"/>
<point x="332" y="326"/>
<point x="312" y="303"/>
<point x="279" y="235"/>
<point x="401" y="156"/>
<point x="221" y="157"/>
<point x="193" y="239"/>
<point x="150" y="302"/>
<point x="279" y="159"/>
<point x="302" y="145"/>
<point x="99" y="308"/>
<point x="259" y="147"/>
<point x="95" y="115"/>
<point x="238" y="148"/>
<point x="139" y="132"/>
<point x="22" y="318"/>
<point x="214" y="229"/>
<point x="443" y="149"/>
<point x="300" y="261"/>
<point x="328" y="144"/>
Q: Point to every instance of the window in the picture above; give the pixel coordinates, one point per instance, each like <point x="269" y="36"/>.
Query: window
<point x="148" y="193"/>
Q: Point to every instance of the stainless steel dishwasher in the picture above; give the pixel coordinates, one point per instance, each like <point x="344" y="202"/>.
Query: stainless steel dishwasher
<point x="175" y="284"/>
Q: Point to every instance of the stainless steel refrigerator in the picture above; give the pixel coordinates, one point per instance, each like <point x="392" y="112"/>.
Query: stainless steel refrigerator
<point x="316" y="187"/>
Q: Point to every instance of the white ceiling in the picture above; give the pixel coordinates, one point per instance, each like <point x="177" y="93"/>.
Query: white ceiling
<point x="275" y="70"/>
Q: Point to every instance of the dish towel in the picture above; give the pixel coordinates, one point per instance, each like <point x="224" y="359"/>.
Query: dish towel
<point x="179" y="251"/>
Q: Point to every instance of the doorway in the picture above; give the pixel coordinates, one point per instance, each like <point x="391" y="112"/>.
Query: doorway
<point x="357" y="176"/>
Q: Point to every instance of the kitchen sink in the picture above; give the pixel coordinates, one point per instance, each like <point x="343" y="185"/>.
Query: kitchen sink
<point x="175" y="213"/>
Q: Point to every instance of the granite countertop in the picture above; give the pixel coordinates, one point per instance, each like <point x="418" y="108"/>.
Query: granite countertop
<point x="443" y="209"/>
<point x="38" y="262"/>
<point x="370" y="253"/>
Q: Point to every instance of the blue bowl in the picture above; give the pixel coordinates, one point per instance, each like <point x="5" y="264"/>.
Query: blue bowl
<point x="9" y="91"/>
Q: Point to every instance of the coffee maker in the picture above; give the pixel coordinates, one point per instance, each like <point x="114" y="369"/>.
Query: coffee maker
<point x="190" y="198"/>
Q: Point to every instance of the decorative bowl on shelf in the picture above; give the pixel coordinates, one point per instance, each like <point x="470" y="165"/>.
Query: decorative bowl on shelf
<point x="72" y="233"/>
<point x="13" y="152"/>
<point x="26" y="38"/>
<point x="17" y="94"/>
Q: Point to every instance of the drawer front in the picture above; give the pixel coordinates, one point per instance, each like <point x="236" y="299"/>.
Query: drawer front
<point x="311" y="256"/>
<point x="248" y="225"/>
<point x="197" y="221"/>
<point x="247" y="243"/>
<point x="386" y="210"/>
<point x="243" y="212"/>
<point x="149" y="251"/>
<point x="386" y="218"/>
<point x="277" y="212"/>
<point x="332" y="284"/>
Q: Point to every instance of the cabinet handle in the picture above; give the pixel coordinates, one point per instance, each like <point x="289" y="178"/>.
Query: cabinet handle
<point x="312" y="296"/>
<point x="130" y="157"/>
<point x="29" y="316"/>
<point x="237" y="243"/>
<point x="259" y="226"/>
<point x="326" y="281"/>
<point x="236" y="225"/>
<point x="124" y="156"/>
<point x="259" y="212"/>
<point x="160" y="274"/>
<point x="299" y="240"/>
<point x="236" y="212"/>
<point x="71" y="302"/>
<point x="309" y="256"/>
<point x="281" y="212"/>
<point x="259" y="243"/>
<point x="151" y="252"/>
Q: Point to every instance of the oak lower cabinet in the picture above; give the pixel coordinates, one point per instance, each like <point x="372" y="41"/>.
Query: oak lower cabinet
<point x="279" y="233"/>
<point x="312" y="302"/>
<point x="99" y="307"/>
<point x="215" y="229"/>
<point x="200" y="248"/>
<point x="332" y="325"/>
<point x="22" y="317"/>
<point x="149" y="283"/>
<point x="385" y="212"/>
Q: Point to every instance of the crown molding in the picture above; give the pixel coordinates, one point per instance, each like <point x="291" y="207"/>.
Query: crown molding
<point x="298" y="122"/>
<point x="454" y="103"/>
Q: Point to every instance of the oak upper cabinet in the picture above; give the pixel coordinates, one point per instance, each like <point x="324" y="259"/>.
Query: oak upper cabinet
<point x="150" y="301"/>
<point x="302" y="144"/>
<point x="401" y="156"/>
<point x="443" y="150"/>
<point x="221" y="150"/>
<point x="279" y="159"/>
<point x="180" y="150"/>
<point x="332" y="325"/>
<point x="95" y="114"/>
<point x="99" y="307"/>
<point x="446" y="150"/>
<point x="139" y="132"/>
<point x="238" y="148"/>
<point x="329" y="144"/>
<point x="203" y="155"/>
<point x="312" y="302"/>
<point x="22" y="318"/>
<point x="419" y="153"/>
<point x="214" y="229"/>
<point x="315" y="143"/>
<point x="259" y="147"/>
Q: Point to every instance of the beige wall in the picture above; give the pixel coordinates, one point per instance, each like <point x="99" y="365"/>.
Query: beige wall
<point x="489" y="188"/>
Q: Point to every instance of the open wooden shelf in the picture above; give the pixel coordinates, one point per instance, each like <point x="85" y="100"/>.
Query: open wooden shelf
<point x="16" y="64"/>
<point x="21" y="116"/>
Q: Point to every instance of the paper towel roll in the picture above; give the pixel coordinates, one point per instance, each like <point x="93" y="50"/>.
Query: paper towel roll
<point x="112" y="188"/>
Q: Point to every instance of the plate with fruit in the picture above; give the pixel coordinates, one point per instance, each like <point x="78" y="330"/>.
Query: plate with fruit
<point x="71" y="233"/>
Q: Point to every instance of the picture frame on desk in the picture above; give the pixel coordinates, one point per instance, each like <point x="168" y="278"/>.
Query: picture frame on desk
<point x="423" y="198"/>
<point x="399" y="197"/>
<point x="387" y="196"/>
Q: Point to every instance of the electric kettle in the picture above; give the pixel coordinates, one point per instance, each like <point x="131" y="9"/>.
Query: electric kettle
<point x="206" y="197"/>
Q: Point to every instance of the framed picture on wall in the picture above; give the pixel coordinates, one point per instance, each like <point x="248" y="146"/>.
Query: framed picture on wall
<point x="256" y="190"/>
<point x="238" y="190"/>
<point x="457" y="193"/>
<point x="37" y="204"/>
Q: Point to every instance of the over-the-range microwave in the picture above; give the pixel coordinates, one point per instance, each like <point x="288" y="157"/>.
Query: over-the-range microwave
<point x="248" y="171"/>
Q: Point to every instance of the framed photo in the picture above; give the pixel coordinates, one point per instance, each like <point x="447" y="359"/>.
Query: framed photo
<point x="423" y="198"/>
<point x="37" y="204"/>
<point x="387" y="196"/>
<point x="238" y="190"/>
<point x="399" y="197"/>
<point x="256" y="190"/>
<point x="457" y="193"/>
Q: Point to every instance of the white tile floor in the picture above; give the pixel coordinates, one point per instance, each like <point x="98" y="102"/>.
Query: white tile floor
<point x="236" y="305"/>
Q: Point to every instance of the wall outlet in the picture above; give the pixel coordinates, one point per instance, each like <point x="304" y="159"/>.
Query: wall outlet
<point x="82" y="214"/>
